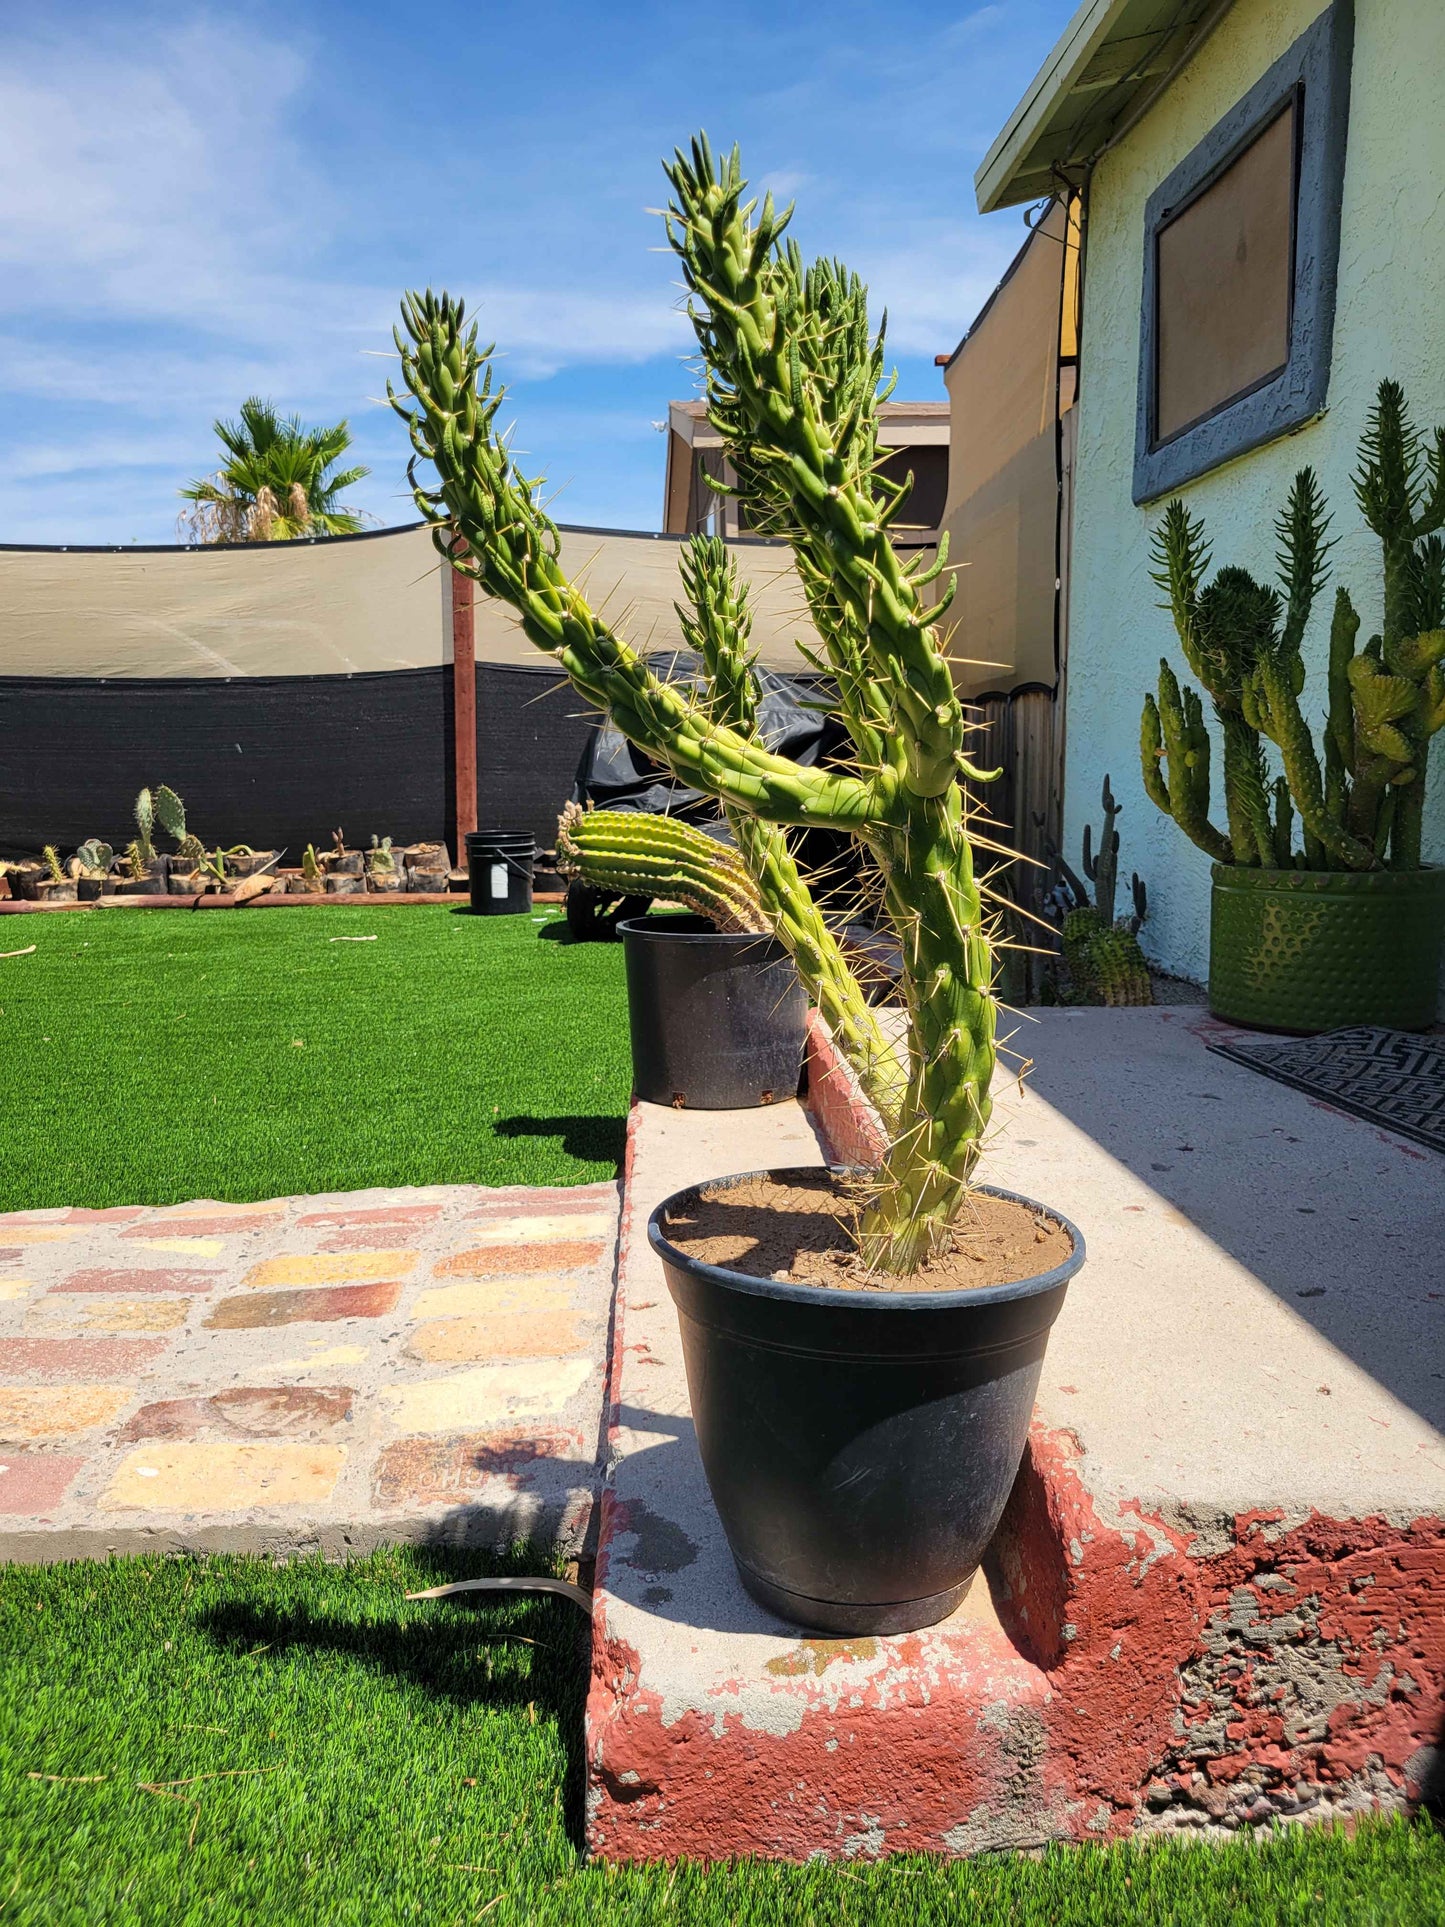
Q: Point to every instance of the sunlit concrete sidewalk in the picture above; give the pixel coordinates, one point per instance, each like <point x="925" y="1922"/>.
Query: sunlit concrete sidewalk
<point x="329" y="1372"/>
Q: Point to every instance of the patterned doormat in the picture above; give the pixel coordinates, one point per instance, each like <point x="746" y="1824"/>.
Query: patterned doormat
<point x="1391" y="1077"/>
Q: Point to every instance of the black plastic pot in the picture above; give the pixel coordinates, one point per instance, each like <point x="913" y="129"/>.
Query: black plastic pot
<point x="859" y="1446"/>
<point x="718" y="1018"/>
<point x="499" y="871"/>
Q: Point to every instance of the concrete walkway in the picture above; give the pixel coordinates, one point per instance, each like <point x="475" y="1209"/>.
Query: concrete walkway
<point x="320" y="1372"/>
<point x="1218" y="1594"/>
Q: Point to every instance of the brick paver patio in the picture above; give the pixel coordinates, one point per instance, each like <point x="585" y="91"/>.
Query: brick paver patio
<point x="323" y="1372"/>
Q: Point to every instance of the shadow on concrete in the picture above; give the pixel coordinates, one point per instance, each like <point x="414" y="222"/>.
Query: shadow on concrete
<point x="593" y="1139"/>
<point x="1340" y="1220"/>
<point x="443" y="1646"/>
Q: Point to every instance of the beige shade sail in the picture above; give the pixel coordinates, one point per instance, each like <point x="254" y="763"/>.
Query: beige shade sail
<point x="1006" y="386"/>
<point x="347" y="605"/>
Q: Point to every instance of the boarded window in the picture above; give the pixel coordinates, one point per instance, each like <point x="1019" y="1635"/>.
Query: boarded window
<point x="1226" y="265"/>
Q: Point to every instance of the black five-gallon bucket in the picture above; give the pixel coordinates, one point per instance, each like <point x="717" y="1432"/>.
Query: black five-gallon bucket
<point x="718" y="1018"/>
<point x="499" y="871"/>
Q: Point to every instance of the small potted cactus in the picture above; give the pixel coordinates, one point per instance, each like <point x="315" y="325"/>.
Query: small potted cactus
<point x="1101" y="951"/>
<point x="142" y="871"/>
<point x="383" y="873"/>
<point x="861" y="1372"/>
<point x="716" y="1014"/>
<point x="1324" y="912"/>
<point x="91" y="867"/>
<point x="53" y="885"/>
<point x="345" y="869"/>
<point x="310" y="881"/>
<point x="338" y="861"/>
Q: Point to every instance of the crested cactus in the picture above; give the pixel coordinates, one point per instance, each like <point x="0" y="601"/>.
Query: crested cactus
<point x="792" y="385"/>
<point x="632" y="853"/>
<point x="1359" y="806"/>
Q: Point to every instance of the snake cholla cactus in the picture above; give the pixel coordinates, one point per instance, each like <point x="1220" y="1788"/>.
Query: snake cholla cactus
<point x="634" y="853"/>
<point x="1360" y="805"/>
<point x="793" y="388"/>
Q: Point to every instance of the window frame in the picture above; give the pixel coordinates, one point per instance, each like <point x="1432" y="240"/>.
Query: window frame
<point x="1314" y="75"/>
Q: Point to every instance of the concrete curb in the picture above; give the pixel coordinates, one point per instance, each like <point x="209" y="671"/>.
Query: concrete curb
<point x="1155" y="1658"/>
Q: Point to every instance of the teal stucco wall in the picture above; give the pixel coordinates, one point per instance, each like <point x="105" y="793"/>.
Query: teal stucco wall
<point x="1388" y="321"/>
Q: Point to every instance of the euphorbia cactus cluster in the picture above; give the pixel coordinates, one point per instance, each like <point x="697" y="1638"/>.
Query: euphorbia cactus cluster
<point x="793" y="378"/>
<point x="1360" y="807"/>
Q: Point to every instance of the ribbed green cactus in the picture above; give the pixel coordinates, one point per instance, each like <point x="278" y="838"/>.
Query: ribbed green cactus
<point x="1360" y="805"/>
<point x="1102" y="952"/>
<point x="717" y="623"/>
<point x="793" y="380"/>
<point x="635" y="854"/>
<point x="142" y="851"/>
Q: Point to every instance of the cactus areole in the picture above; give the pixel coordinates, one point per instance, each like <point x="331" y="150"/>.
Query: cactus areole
<point x="793" y="377"/>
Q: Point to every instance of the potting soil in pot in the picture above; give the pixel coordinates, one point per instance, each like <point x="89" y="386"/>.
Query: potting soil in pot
<point x="800" y="1233"/>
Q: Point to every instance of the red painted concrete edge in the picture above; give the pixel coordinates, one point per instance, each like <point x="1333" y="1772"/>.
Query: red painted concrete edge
<point x="1154" y="1683"/>
<point x="851" y="1130"/>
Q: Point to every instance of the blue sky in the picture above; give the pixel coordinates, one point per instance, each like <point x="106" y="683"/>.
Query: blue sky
<point x="198" y="205"/>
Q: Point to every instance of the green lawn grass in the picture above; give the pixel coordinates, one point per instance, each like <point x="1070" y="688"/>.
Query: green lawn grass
<point x="232" y="1741"/>
<point x="156" y="1056"/>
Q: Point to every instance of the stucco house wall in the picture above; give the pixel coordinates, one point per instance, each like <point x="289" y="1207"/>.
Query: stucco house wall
<point x="1388" y="321"/>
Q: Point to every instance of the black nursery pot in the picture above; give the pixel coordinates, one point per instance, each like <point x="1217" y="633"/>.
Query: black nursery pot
<point x="718" y="1018"/>
<point x="859" y="1446"/>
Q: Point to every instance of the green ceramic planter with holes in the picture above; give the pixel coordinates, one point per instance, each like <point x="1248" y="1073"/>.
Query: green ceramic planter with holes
<point x="1313" y="950"/>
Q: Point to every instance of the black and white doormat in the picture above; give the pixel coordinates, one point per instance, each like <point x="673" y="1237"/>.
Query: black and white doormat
<point x="1391" y="1077"/>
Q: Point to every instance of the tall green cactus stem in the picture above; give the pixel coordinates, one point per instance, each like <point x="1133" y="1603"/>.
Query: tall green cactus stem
<point x="717" y="622"/>
<point x="765" y="338"/>
<point x="633" y="853"/>
<point x="1174" y="735"/>
<point x="1103" y="870"/>
<point x="142" y="851"/>
<point x="1400" y="488"/>
<point x="792" y="385"/>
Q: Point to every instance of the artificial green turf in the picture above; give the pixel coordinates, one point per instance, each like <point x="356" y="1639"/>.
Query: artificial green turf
<point x="231" y="1741"/>
<point x="156" y="1056"/>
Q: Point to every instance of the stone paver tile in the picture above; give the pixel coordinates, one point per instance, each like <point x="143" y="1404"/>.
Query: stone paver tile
<point x="480" y="1297"/>
<point x="74" y="1357"/>
<point x="501" y="1261"/>
<point x="112" y="1279"/>
<point x="534" y="1229"/>
<point x="221" y="1212"/>
<point x="365" y="1237"/>
<point x="326" y="1360"/>
<point x="231" y="1226"/>
<point x="487" y="1394"/>
<point x="58" y="1411"/>
<point x="249" y="1411"/>
<point x="14" y="1235"/>
<point x="352" y="1268"/>
<point x="397" y="1214"/>
<point x="443" y="1471"/>
<point x="57" y="1312"/>
<point x="106" y="1214"/>
<point x="254" y="1311"/>
<point x="457" y="1341"/>
<point x="134" y="1315"/>
<point x="192" y="1477"/>
<point x="35" y="1481"/>
<point x="193" y="1247"/>
<point x="13" y="1288"/>
<point x="584" y="1198"/>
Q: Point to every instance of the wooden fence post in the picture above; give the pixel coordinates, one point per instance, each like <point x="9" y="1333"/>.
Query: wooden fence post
<point x="464" y="707"/>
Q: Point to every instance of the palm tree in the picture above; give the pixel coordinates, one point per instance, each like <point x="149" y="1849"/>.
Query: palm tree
<point x="275" y="483"/>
